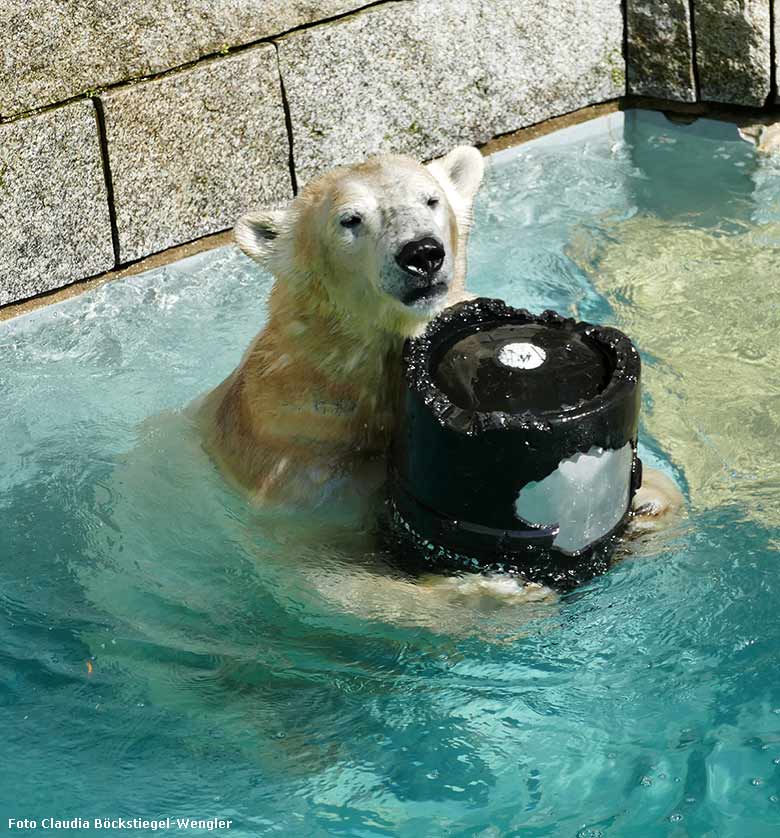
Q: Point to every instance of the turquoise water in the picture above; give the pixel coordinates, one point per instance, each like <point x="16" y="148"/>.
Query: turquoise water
<point x="245" y="666"/>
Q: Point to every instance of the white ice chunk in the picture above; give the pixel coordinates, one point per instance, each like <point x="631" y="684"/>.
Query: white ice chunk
<point x="586" y="496"/>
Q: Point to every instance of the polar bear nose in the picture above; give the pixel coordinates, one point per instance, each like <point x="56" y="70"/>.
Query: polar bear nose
<point x="421" y="258"/>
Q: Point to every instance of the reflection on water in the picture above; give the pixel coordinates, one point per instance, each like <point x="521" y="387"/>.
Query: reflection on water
<point x="690" y="277"/>
<point x="705" y="305"/>
<point x="256" y="666"/>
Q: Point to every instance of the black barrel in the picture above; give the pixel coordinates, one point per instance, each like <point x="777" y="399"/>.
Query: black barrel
<point x="516" y="447"/>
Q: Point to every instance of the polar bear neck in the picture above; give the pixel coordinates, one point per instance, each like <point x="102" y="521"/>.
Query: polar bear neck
<point x="345" y="345"/>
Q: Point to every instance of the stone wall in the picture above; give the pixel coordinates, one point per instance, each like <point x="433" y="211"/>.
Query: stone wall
<point x="125" y="130"/>
<point x="703" y="50"/>
<point x="128" y="128"/>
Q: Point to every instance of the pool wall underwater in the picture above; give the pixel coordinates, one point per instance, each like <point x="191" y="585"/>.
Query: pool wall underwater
<point x="125" y="136"/>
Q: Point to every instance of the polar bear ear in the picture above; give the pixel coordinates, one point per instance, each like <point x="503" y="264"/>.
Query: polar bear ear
<point x="463" y="167"/>
<point x="256" y="232"/>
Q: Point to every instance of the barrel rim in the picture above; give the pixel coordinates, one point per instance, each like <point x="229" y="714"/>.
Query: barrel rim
<point x="419" y="350"/>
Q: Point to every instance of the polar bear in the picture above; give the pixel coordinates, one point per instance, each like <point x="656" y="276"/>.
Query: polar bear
<point x="362" y="258"/>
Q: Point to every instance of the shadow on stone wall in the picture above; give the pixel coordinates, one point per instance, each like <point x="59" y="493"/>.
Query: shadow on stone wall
<point x="726" y="43"/>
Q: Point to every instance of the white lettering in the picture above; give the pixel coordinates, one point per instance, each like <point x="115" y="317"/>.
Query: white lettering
<point x="209" y="824"/>
<point x="153" y="824"/>
<point x="57" y="823"/>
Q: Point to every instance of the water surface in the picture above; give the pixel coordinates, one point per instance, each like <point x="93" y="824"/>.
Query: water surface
<point x="241" y="666"/>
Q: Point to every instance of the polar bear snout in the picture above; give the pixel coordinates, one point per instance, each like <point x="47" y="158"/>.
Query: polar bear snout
<point x="422" y="259"/>
<point x="422" y="279"/>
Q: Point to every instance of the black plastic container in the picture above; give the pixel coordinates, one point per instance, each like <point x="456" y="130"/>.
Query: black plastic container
<point x="516" y="448"/>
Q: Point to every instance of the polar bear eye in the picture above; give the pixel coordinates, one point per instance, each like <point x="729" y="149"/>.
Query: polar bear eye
<point x="351" y="221"/>
<point x="432" y="202"/>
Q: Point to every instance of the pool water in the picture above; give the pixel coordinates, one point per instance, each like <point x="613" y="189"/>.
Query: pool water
<point x="168" y="651"/>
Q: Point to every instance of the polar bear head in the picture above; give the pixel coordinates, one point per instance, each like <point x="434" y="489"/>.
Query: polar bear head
<point x="382" y="241"/>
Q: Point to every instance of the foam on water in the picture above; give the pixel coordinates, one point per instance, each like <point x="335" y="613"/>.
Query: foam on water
<point x="249" y="666"/>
